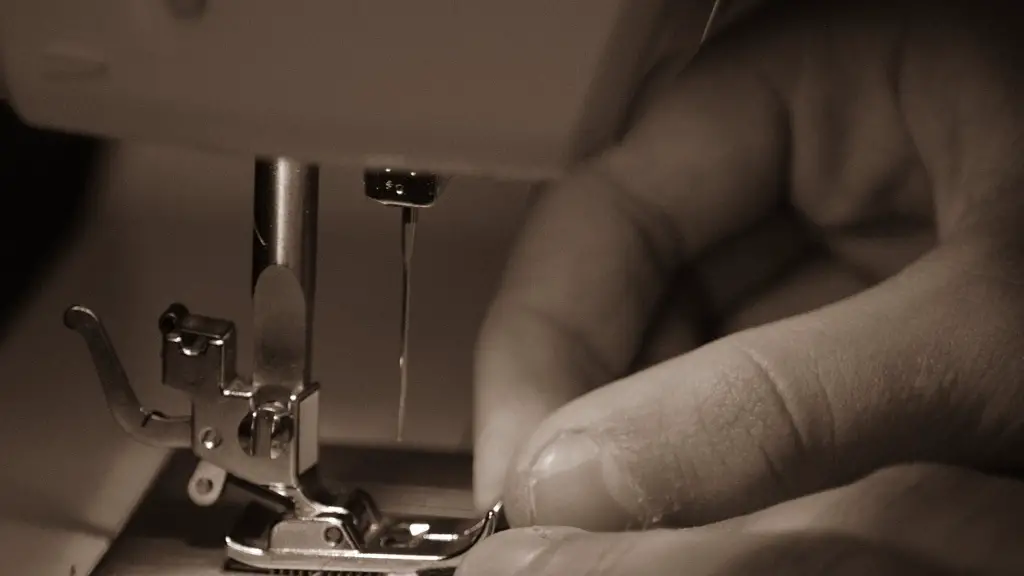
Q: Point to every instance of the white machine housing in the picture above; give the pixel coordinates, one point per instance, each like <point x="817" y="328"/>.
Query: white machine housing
<point x="518" y="89"/>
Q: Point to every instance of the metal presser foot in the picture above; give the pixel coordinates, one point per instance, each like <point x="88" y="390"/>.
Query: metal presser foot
<point x="262" y="432"/>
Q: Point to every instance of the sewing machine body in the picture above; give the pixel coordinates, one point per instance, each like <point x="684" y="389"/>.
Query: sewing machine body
<point x="514" y="90"/>
<point x="500" y="88"/>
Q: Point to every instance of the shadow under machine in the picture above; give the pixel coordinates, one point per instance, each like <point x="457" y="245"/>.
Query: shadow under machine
<point x="414" y="92"/>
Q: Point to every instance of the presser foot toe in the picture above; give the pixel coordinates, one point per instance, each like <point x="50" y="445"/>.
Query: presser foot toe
<point x="264" y="542"/>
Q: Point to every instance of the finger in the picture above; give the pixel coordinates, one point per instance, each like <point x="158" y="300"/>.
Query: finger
<point x="956" y="517"/>
<point x="922" y="367"/>
<point x="686" y="323"/>
<point x="596" y="256"/>
<point x="817" y="283"/>
<point x="559" y="551"/>
<point x="720" y="279"/>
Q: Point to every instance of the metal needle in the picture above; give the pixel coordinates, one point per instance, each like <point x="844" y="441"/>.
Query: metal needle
<point x="409" y="216"/>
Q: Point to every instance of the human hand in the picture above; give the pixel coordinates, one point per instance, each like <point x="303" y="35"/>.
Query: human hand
<point x="887" y="524"/>
<point x="896" y="134"/>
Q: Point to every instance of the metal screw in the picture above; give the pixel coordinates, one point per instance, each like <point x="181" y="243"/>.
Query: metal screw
<point x="270" y="418"/>
<point x="333" y="535"/>
<point x="210" y="439"/>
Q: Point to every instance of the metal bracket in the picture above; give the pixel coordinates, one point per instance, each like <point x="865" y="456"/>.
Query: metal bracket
<point x="146" y="426"/>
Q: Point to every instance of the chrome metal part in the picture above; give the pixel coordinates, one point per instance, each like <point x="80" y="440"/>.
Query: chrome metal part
<point x="388" y="545"/>
<point x="251" y="430"/>
<point x="263" y="431"/>
<point x="146" y="426"/>
<point x="410" y="191"/>
<point x="206" y="484"/>
<point x="284" y="270"/>
<point x="404" y="484"/>
<point x="409" y="218"/>
<point x="403" y="188"/>
<point x="255" y="434"/>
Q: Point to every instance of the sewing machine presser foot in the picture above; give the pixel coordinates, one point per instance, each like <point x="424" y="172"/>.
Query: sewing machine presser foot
<point x="263" y="437"/>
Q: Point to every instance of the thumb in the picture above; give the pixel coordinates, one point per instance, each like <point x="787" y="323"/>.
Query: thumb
<point x="560" y="551"/>
<point x="923" y="367"/>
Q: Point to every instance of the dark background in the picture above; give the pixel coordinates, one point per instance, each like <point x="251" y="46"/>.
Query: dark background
<point x="46" y="179"/>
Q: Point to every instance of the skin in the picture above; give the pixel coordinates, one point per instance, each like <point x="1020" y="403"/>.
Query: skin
<point x="783" y="313"/>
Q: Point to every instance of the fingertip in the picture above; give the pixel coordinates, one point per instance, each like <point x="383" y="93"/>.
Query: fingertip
<point x="488" y="477"/>
<point x="495" y="448"/>
<point x="509" y="407"/>
<point x="574" y="479"/>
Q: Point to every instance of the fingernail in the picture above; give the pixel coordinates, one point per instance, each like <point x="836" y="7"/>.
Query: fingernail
<point x="577" y="480"/>
<point x="513" y="553"/>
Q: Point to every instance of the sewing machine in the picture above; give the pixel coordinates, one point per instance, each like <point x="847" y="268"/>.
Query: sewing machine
<point x="411" y="92"/>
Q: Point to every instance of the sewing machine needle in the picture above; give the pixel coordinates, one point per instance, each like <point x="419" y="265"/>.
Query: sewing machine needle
<point x="409" y="216"/>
